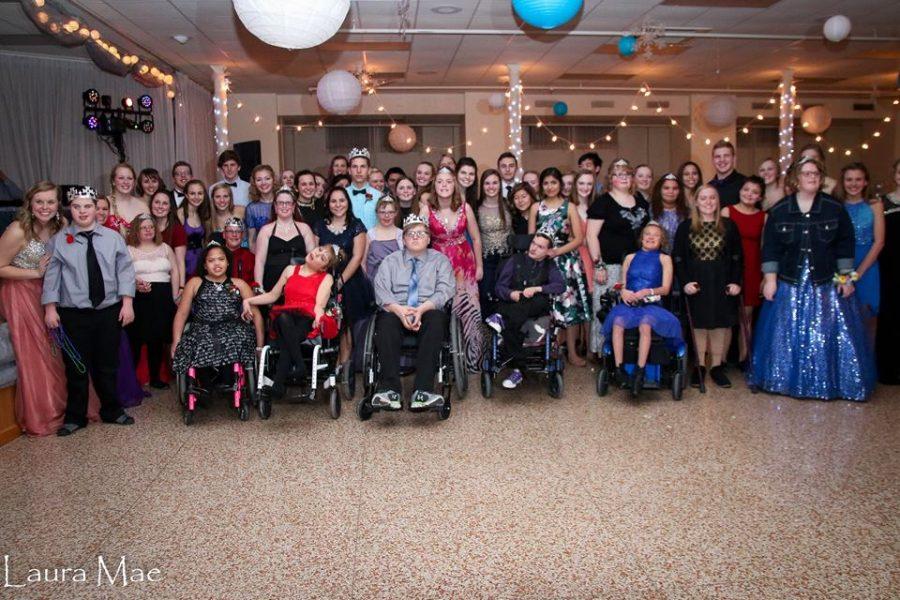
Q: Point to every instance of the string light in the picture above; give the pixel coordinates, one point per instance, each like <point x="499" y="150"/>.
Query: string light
<point x="514" y="112"/>
<point x="220" y="106"/>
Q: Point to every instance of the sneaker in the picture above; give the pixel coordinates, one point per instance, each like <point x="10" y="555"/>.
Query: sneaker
<point x="495" y="322"/>
<point x="717" y="374"/>
<point x="514" y="379"/>
<point x="422" y="400"/>
<point x="387" y="400"/>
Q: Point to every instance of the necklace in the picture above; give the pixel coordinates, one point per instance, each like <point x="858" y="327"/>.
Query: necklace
<point x="445" y="221"/>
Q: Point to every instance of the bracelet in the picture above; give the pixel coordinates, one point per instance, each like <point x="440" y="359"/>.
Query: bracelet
<point x="846" y="278"/>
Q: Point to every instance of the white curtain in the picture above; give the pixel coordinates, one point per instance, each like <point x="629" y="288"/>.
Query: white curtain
<point x="195" y="128"/>
<point x="42" y="136"/>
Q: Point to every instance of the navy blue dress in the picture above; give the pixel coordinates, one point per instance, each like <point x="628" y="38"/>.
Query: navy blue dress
<point x="358" y="299"/>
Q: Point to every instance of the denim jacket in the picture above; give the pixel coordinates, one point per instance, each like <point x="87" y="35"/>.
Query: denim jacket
<point x="824" y="236"/>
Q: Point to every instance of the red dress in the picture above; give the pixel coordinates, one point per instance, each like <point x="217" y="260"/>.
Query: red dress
<point x="750" y="227"/>
<point x="300" y="293"/>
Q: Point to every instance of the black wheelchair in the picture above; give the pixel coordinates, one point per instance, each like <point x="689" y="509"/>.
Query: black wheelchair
<point x="544" y="356"/>
<point x="451" y="372"/>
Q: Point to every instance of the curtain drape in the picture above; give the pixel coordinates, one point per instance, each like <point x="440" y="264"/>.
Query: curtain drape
<point x="42" y="136"/>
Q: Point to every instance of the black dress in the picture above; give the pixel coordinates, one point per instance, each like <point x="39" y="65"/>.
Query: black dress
<point x="280" y="254"/>
<point x="886" y="352"/>
<point x="713" y="260"/>
<point x="311" y="213"/>
<point x="357" y="295"/>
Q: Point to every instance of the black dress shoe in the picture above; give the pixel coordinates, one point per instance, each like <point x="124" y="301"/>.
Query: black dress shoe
<point x="67" y="429"/>
<point x="695" y="380"/>
<point x="623" y="377"/>
<point x="123" y="419"/>
<point x="717" y="374"/>
<point x="638" y="384"/>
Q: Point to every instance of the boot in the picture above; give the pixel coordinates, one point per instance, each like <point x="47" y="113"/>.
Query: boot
<point x="623" y="377"/>
<point x="638" y="384"/>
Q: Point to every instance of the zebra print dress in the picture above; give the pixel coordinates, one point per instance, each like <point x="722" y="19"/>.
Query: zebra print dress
<point x="454" y="245"/>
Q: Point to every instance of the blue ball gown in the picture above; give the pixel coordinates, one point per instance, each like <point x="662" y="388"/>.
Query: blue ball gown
<point x="868" y="288"/>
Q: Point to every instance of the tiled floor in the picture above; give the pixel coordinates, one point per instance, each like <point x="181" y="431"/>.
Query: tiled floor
<point x="727" y="495"/>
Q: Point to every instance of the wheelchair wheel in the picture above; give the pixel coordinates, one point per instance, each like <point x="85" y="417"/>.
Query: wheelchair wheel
<point x="264" y="405"/>
<point x="444" y="412"/>
<point x="334" y="403"/>
<point x="347" y="381"/>
<point x="556" y="385"/>
<point x="458" y="357"/>
<point x="487" y="384"/>
<point x="602" y="381"/>
<point x="368" y="366"/>
<point x="363" y="410"/>
<point x="677" y="386"/>
<point x="250" y="383"/>
<point x="181" y="388"/>
<point x="244" y="410"/>
<point x="187" y="415"/>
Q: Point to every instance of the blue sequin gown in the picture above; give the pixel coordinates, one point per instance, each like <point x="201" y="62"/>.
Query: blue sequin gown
<point x="645" y="271"/>
<point x="868" y="288"/>
<point x="810" y="342"/>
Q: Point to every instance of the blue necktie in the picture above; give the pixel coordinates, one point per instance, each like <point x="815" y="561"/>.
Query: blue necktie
<point x="412" y="297"/>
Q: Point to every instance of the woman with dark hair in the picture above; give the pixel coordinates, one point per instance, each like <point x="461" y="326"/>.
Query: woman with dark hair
<point x="814" y="150"/>
<point x="466" y="177"/>
<point x="282" y="241"/>
<point x="310" y="210"/>
<point x="219" y="335"/>
<point x="340" y="181"/>
<point x="555" y="216"/>
<point x="668" y="207"/>
<point x="195" y="214"/>
<point x="171" y="232"/>
<point x="643" y="181"/>
<point x="523" y="198"/>
<point x="889" y="322"/>
<point x="338" y="166"/>
<point x="148" y="183"/>
<point x="810" y="338"/>
<point x="495" y="224"/>
<point x="407" y="197"/>
<point x="447" y="161"/>
<point x="342" y="229"/>
<point x="691" y="178"/>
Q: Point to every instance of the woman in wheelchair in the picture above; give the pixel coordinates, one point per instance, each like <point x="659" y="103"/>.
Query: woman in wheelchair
<point x="647" y="275"/>
<point x="524" y="286"/>
<point x="306" y="288"/>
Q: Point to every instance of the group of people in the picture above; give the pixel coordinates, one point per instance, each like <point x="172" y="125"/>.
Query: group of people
<point x="777" y="274"/>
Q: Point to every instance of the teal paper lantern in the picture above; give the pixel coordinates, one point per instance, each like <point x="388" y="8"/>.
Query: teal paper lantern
<point x="627" y="45"/>
<point x="560" y="109"/>
<point x="546" y="14"/>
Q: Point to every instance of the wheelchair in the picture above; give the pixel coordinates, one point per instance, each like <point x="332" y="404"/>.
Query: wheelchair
<point x="451" y="373"/>
<point x="544" y="356"/>
<point x="324" y="374"/>
<point x="241" y="388"/>
<point x="666" y="368"/>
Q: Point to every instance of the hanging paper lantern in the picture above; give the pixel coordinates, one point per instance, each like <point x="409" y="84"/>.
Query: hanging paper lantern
<point x="291" y="24"/>
<point x="106" y="61"/>
<point x="338" y="92"/>
<point x="719" y="112"/>
<point x="497" y="100"/>
<point x="627" y="45"/>
<point x="560" y="109"/>
<point x="816" y="119"/>
<point x="143" y="74"/>
<point x="546" y="14"/>
<point x="837" y="28"/>
<point x="402" y="138"/>
<point x="65" y="30"/>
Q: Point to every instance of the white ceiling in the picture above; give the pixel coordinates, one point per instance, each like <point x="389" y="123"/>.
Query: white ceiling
<point x="218" y="37"/>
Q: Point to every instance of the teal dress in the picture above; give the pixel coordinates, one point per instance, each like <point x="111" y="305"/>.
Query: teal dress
<point x="868" y="288"/>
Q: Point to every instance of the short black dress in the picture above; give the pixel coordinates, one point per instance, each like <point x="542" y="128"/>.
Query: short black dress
<point x="280" y="254"/>
<point x="713" y="260"/>
<point x="217" y="334"/>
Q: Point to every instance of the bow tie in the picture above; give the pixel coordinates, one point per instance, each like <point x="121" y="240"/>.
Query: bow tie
<point x="355" y="191"/>
<point x="234" y="184"/>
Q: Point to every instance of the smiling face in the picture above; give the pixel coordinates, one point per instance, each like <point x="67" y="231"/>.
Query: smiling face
<point x="690" y="177"/>
<point x="551" y="186"/>
<point x="306" y="185"/>
<point x="102" y="212"/>
<point x="750" y="194"/>
<point x="584" y="186"/>
<point x="84" y="212"/>
<point x="230" y="169"/>
<point x="444" y="184"/>
<point x="708" y="203"/>
<point x="233" y="236"/>
<point x="643" y="178"/>
<point x="621" y="180"/>
<point x="337" y="204"/>
<point x="284" y="206"/>
<point x="669" y="191"/>
<point x="507" y="167"/>
<point x="651" y="238"/>
<point x="522" y="201"/>
<point x="466" y="176"/>
<point x="424" y="175"/>
<point x="147" y="230"/>
<point x="195" y="194"/>
<point x="44" y="206"/>
<point x="320" y="186"/>
<point x="264" y="182"/>
<point x="150" y="185"/>
<point x="491" y="186"/>
<point x="181" y="175"/>
<point x="809" y="178"/>
<point x="406" y="191"/>
<point x="160" y="205"/>
<point x="723" y="160"/>
<point x="287" y="178"/>
<point x="376" y="180"/>
<point x="768" y="170"/>
<point x="386" y="212"/>
<point x="855" y="183"/>
<point x="339" y="166"/>
<point x="216" y="262"/>
<point x="123" y="181"/>
<point x="222" y="199"/>
<point x="568" y="184"/>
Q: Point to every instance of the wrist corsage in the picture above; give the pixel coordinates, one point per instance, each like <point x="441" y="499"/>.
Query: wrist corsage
<point x="845" y="278"/>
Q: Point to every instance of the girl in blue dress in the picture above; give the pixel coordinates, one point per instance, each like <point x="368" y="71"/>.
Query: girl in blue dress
<point x="647" y="274"/>
<point x="868" y="233"/>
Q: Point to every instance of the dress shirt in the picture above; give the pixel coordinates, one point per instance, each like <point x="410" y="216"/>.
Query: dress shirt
<point x="177" y="197"/>
<point x="66" y="281"/>
<point x="436" y="280"/>
<point x="364" y="204"/>
<point x="240" y="189"/>
<point x="506" y="188"/>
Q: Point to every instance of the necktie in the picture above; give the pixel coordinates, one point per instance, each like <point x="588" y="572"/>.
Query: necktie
<point x="356" y="191"/>
<point x="507" y="190"/>
<point x="412" y="296"/>
<point x="96" y="289"/>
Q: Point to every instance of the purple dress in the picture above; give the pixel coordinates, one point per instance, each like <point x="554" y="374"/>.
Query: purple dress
<point x="379" y="250"/>
<point x="195" y="237"/>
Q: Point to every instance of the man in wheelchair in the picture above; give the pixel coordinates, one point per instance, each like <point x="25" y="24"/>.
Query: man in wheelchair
<point x="524" y="286"/>
<point x="412" y="286"/>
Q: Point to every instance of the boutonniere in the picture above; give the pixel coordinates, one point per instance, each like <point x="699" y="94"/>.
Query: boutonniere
<point x="368" y="196"/>
<point x="233" y="290"/>
<point x="70" y="238"/>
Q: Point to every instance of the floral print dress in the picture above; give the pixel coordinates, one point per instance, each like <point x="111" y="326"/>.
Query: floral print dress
<point x="574" y="305"/>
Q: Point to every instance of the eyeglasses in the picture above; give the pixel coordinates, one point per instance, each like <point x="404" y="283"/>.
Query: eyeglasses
<point x="623" y="175"/>
<point x="284" y="203"/>
<point x="387" y="212"/>
<point x="414" y="235"/>
<point x="810" y="174"/>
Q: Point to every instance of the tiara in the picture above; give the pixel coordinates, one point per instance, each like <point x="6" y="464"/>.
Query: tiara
<point x="445" y="169"/>
<point x="85" y="191"/>
<point x="412" y="220"/>
<point x="144" y="217"/>
<point x="233" y="222"/>
<point x="213" y="244"/>
<point x="359" y="152"/>
<point x="670" y="176"/>
<point x="620" y="163"/>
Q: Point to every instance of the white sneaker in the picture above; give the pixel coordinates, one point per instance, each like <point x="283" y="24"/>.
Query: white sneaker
<point x="422" y="400"/>
<point x="387" y="400"/>
<point x="514" y="379"/>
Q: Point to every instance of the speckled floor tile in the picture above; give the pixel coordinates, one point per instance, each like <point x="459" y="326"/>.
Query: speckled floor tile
<point x="724" y="495"/>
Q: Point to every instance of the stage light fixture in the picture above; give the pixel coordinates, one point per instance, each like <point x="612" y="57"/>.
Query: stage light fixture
<point x="146" y="102"/>
<point x="147" y="126"/>
<point x="106" y="101"/>
<point x="127" y="103"/>
<point x="91" y="97"/>
<point x="91" y="122"/>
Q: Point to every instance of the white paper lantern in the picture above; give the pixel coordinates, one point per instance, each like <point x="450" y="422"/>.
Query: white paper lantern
<point x="292" y="24"/>
<point x="106" y="61"/>
<point x="719" y="112"/>
<point x="338" y="92"/>
<point x="837" y="28"/>
<point x="816" y="119"/>
<point x="402" y="138"/>
<point x="497" y="101"/>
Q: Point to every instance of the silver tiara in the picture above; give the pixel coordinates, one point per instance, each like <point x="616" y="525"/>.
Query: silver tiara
<point x="413" y="220"/>
<point x="234" y="222"/>
<point x="359" y="152"/>
<point x="84" y="191"/>
<point x="670" y="176"/>
<point x="621" y="162"/>
<point x="445" y="169"/>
